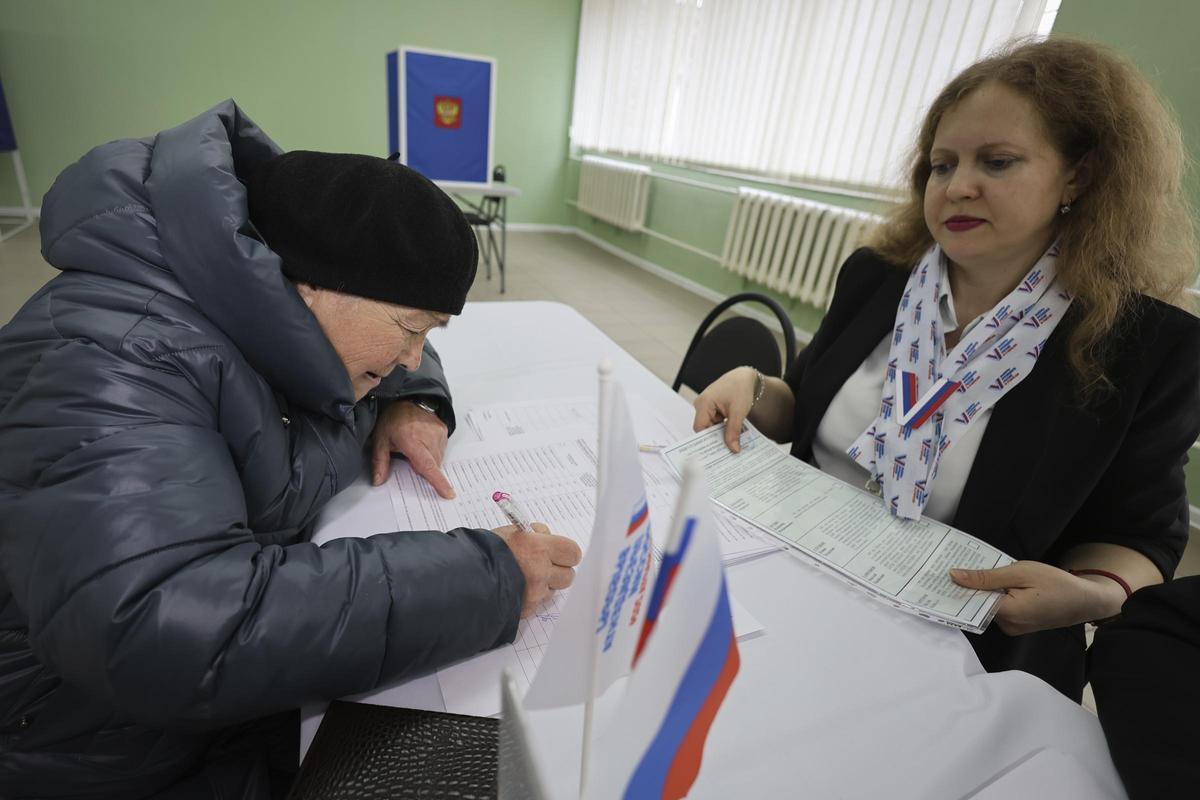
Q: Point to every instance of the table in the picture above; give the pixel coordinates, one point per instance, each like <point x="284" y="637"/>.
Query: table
<point x="461" y="191"/>
<point x="841" y="697"/>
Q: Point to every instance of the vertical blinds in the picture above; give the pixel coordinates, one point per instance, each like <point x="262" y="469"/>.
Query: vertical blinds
<point x="817" y="91"/>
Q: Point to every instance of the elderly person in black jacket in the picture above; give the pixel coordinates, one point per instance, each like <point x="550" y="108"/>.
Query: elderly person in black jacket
<point x="230" y="327"/>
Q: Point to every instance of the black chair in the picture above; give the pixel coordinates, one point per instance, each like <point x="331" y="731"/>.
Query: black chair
<point x="735" y="342"/>
<point x="487" y="217"/>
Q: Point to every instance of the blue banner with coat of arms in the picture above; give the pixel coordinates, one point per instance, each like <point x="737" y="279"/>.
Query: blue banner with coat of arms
<point x="440" y="113"/>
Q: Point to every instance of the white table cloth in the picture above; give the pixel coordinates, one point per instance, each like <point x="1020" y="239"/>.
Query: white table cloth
<point x="840" y="697"/>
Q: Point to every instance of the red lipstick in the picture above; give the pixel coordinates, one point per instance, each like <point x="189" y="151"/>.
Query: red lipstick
<point x="958" y="224"/>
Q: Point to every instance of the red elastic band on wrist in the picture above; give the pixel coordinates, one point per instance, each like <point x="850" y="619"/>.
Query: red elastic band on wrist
<point x="1105" y="573"/>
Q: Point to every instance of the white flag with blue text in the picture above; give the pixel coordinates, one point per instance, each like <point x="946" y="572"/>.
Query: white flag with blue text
<point x="602" y="617"/>
<point x="685" y="663"/>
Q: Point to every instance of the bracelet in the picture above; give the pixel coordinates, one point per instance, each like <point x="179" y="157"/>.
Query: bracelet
<point x="426" y="404"/>
<point x="760" y="387"/>
<point x="1105" y="573"/>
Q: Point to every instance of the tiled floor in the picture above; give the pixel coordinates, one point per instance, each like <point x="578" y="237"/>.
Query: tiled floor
<point x="22" y="271"/>
<point x="650" y="318"/>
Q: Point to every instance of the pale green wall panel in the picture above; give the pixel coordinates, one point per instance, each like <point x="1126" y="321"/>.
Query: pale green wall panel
<point x="311" y="73"/>
<point x="700" y="217"/>
<point x="1161" y="37"/>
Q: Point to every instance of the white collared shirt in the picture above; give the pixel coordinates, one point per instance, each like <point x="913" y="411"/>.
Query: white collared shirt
<point x="856" y="405"/>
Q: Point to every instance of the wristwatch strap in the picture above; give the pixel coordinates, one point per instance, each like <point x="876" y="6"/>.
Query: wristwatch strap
<point x="429" y="404"/>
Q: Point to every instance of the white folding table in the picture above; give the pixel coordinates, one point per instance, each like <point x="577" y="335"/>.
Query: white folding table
<point x="842" y="696"/>
<point x="464" y="191"/>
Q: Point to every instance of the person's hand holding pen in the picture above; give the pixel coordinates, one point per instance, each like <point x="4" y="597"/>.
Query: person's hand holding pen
<point x="546" y="560"/>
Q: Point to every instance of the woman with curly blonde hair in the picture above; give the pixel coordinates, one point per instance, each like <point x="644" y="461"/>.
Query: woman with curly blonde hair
<point x="1011" y="355"/>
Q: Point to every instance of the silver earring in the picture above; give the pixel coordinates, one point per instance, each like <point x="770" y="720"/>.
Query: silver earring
<point x="1065" y="208"/>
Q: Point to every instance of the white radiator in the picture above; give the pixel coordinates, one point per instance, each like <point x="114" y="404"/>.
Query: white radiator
<point x="791" y="245"/>
<point x="614" y="191"/>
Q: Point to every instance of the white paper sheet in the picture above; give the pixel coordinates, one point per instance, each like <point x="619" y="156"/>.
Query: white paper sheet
<point x="553" y="473"/>
<point x="902" y="562"/>
<point x="502" y="421"/>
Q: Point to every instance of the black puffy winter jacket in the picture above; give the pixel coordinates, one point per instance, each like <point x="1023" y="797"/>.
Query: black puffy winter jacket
<point x="171" y="420"/>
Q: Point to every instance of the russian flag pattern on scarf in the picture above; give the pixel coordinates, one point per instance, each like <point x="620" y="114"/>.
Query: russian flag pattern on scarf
<point x="958" y="386"/>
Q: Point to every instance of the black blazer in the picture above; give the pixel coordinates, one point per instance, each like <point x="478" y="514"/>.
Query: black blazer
<point x="1049" y="473"/>
<point x="1143" y="669"/>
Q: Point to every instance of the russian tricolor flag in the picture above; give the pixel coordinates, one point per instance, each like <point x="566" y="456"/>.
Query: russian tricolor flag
<point x="915" y="414"/>
<point x="686" y="660"/>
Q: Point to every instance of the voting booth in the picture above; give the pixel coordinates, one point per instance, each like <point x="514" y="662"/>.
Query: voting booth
<point x="441" y="113"/>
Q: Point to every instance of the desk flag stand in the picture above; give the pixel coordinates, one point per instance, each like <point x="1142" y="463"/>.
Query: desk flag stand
<point x="677" y="645"/>
<point x="8" y="144"/>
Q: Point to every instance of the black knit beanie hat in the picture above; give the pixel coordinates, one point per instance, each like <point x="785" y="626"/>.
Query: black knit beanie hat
<point x="364" y="226"/>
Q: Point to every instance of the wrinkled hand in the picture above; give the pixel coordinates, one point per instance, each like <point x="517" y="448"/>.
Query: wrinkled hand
<point x="728" y="398"/>
<point x="419" y="436"/>
<point x="1037" y="596"/>
<point x="546" y="561"/>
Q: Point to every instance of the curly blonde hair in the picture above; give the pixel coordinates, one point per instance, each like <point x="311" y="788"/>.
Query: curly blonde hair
<point x="1130" y="231"/>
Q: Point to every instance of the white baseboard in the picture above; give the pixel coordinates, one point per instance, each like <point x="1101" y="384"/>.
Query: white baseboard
<point x="651" y="267"/>
<point x="770" y="320"/>
<point x="537" y="227"/>
<point x="18" y="211"/>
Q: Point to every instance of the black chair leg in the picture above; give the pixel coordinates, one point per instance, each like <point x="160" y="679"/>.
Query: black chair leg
<point x="484" y="253"/>
<point x="495" y="248"/>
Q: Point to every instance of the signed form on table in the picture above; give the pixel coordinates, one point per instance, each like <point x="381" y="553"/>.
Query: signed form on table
<point x="551" y="466"/>
<point x="905" y="563"/>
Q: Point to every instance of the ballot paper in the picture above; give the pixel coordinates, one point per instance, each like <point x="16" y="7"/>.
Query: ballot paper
<point x="846" y="529"/>
<point x="553" y="474"/>
<point x="500" y="421"/>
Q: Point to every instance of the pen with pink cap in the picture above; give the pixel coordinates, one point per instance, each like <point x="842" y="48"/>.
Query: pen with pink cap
<point x="513" y="510"/>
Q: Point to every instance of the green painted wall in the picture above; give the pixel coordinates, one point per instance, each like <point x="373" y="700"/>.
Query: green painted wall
<point x="700" y="218"/>
<point x="81" y="72"/>
<point x="1161" y="37"/>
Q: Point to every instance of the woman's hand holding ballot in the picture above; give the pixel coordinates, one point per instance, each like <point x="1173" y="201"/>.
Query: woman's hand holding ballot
<point x="746" y="393"/>
<point x="546" y="560"/>
<point x="1040" y="596"/>
<point x="1095" y="581"/>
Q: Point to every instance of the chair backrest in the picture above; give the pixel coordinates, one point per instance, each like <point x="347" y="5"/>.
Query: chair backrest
<point x="491" y="203"/>
<point x="735" y="342"/>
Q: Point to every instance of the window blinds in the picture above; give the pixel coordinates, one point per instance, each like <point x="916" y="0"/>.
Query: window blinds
<point x="817" y="91"/>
